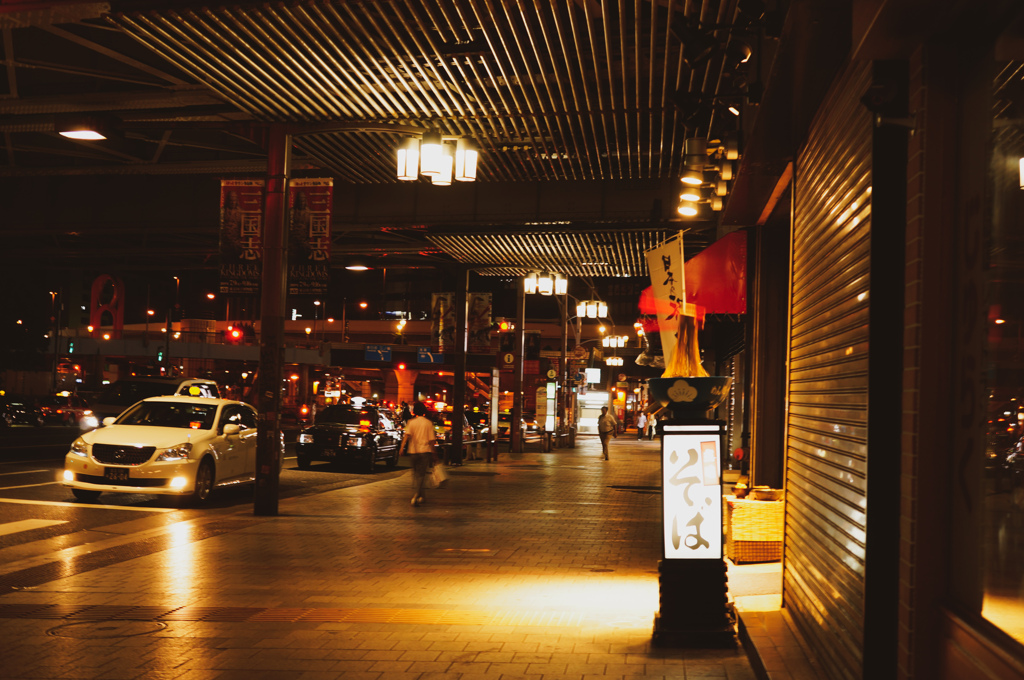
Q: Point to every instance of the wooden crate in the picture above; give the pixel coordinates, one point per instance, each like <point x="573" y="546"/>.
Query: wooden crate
<point x="753" y="530"/>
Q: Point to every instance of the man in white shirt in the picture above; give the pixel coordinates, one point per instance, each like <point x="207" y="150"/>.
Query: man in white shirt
<point x="607" y="426"/>
<point x="419" y="439"/>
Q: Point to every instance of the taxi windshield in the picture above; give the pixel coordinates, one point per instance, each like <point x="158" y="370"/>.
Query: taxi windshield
<point x="171" y="414"/>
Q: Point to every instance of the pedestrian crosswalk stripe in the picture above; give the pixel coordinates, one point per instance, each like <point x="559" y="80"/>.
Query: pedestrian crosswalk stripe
<point x="28" y="525"/>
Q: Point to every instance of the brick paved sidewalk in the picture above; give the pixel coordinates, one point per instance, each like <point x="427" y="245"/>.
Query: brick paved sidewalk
<point x="539" y="566"/>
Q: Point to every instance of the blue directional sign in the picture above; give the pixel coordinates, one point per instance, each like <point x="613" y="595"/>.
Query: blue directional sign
<point x="377" y="353"/>
<point x="427" y="355"/>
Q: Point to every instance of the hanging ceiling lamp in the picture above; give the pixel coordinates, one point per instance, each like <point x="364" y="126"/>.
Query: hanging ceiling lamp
<point x="546" y="283"/>
<point x="430" y="154"/>
<point x="444" y="177"/>
<point x="466" y="152"/>
<point x="440" y="160"/>
<point x="530" y="283"/>
<point x="561" y="285"/>
<point x="409" y="159"/>
<point x="692" y="177"/>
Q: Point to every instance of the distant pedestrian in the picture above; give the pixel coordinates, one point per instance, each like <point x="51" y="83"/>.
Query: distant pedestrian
<point x="419" y="439"/>
<point x="641" y="425"/>
<point x="607" y="426"/>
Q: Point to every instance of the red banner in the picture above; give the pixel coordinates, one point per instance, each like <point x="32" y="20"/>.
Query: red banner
<point x="241" y="236"/>
<point x="309" y="235"/>
<point x="716" y="281"/>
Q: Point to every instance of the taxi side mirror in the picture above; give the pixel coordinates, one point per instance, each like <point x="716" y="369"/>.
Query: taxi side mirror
<point x="231" y="428"/>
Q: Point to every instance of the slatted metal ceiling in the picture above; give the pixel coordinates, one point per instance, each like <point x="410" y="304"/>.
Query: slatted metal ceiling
<point x="569" y="89"/>
<point x="552" y="91"/>
<point x="584" y="254"/>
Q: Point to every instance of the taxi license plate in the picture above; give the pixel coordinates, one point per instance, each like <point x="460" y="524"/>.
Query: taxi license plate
<point x="116" y="474"/>
<point x="329" y="453"/>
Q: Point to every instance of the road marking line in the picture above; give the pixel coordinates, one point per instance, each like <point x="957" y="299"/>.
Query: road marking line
<point x="58" y="504"/>
<point x="28" y="525"/>
<point x="25" y="486"/>
<point x="23" y="472"/>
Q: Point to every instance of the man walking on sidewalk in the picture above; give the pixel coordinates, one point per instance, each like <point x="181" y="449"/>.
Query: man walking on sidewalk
<point x="607" y="426"/>
<point x="641" y="425"/>
<point x="419" y="440"/>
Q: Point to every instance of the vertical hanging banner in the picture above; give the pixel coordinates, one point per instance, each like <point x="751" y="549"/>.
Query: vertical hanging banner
<point x="478" y="322"/>
<point x="442" y="321"/>
<point x="241" y="236"/>
<point x="668" y="285"/>
<point x="443" y="333"/>
<point x="309" y="235"/>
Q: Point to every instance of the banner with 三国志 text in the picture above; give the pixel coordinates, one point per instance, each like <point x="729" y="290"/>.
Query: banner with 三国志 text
<point x="309" y="235"/>
<point x="241" y="236"/>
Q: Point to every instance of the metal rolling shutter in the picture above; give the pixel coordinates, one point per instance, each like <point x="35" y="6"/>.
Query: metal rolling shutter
<point x="826" y="436"/>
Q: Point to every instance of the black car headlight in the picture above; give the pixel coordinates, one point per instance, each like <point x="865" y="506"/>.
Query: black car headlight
<point x="305" y="438"/>
<point x="356" y="441"/>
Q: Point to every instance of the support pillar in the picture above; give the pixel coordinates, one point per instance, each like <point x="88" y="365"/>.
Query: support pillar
<point x="515" y="432"/>
<point x="459" y="379"/>
<point x="272" y="303"/>
<point x="400" y="386"/>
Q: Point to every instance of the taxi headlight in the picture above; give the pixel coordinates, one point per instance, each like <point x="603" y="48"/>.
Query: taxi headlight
<point x="179" y="452"/>
<point x="305" y="438"/>
<point x="79" y="447"/>
<point x="356" y="441"/>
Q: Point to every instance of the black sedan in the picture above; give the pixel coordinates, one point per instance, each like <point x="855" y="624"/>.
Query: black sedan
<point x="18" y="410"/>
<point x="347" y="434"/>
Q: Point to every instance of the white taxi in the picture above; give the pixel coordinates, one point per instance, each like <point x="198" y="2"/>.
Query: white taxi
<point x="179" y="446"/>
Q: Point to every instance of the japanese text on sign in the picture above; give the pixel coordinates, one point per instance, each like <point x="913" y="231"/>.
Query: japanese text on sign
<point x="692" y="495"/>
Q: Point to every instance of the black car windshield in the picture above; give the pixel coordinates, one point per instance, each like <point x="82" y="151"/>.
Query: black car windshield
<point x="125" y="392"/>
<point x="171" y="414"/>
<point x="344" y="415"/>
<point x="53" y="401"/>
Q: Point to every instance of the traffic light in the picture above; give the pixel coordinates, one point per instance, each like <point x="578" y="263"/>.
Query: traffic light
<point x="505" y="326"/>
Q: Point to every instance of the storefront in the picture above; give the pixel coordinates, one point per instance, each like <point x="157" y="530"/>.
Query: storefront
<point x="902" y="379"/>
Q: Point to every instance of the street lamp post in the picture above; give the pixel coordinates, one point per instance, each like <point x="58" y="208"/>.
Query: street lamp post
<point x="344" y="323"/>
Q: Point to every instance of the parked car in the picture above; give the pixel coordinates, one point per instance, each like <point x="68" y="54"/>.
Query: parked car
<point x="177" y="446"/>
<point x="443" y="427"/>
<point x="504" y="421"/>
<point x="345" y="433"/>
<point x="480" y="421"/>
<point x="115" y="399"/>
<point x="19" y="410"/>
<point x="66" y="408"/>
<point x="530" y="425"/>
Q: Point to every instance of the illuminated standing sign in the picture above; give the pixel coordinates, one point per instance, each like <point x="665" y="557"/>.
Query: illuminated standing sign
<point x="691" y="484"/>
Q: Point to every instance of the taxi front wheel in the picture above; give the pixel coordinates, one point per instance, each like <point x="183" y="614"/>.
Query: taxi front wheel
<point x="203" y="486"/>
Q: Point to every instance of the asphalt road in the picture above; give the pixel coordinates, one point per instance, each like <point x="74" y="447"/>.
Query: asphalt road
<point x="35" y="506"/>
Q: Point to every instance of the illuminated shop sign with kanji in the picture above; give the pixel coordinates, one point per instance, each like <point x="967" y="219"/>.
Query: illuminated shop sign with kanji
<point x="692" y="492"/>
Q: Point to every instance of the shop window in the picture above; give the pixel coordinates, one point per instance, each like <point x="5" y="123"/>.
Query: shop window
<point x="1003" y="603"/>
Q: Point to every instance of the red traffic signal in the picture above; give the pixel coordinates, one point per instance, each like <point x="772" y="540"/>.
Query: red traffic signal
<point x="506" y="326"/>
